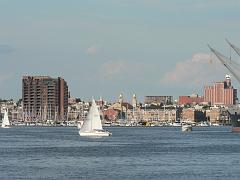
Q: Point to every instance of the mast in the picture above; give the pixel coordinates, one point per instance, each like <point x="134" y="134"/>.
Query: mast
<point x="45" y="114"/>
<point x="91" y="110"/>
<point x="55" y="114"/>
<point x="40" y="114"/>
<point x="29" y="114"/>
<point x="23" y="114"/>
<point x="50" y="112"/>
<point x="164" y="113"/>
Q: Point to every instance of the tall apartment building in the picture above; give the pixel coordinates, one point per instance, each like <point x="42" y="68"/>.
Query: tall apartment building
<point x="221" y="93"/>
<point x="158" y="99"/>
<point x="44" y="98"/>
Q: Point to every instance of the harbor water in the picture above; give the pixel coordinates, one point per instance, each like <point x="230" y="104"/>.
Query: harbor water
<point x="130" y="153"/>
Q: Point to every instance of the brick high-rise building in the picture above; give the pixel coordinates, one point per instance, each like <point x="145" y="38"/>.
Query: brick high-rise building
<point x="44" y="98"/>
<point x="221" y="93"/>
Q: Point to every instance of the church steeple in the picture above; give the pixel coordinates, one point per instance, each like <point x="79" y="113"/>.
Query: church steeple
<point x="134" y="101"/>
<point x="120" y="100"/>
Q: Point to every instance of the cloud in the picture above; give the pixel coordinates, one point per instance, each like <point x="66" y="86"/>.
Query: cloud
<point x="113" y="68"/>
<point x="198" y="70"/>
<point x="92" y="50"/>
<point x="6" y="49"/>
<point x="125" y="70"/>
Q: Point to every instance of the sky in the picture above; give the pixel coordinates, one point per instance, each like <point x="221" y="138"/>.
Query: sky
<point x="104" y="48"/>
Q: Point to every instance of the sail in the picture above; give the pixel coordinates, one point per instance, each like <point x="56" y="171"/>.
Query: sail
<point x="96" y="121"/>
<point x="93" y="120"/>
<point x="5" y="121"/>
<point x="231" y="65"/>
<point x="87" y="124"/>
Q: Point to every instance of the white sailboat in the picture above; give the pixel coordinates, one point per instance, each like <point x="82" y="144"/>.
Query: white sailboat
<point x="92" y="126"/>
<point x="186" y="127"/>
<point x="5" y="121"/>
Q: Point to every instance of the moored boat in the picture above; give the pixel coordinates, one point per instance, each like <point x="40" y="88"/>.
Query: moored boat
<point x="186" y="127"/>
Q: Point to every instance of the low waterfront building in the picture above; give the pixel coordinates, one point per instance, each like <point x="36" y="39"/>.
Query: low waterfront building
<point x="218" y="115"/>
<point x="190" y="100"/>
<point x="17" y="115"/>
<point x="123" y="107"/>
<point x="78" y="111"/>
<point x="160" y="114"/>
<point x="72" y="100"/>
<point x="158" y="100"/>
<point x="192" y="115"/>
<point x="111" y="115"/>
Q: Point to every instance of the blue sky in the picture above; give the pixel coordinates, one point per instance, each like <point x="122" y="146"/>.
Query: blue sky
<point x="107" y="47"/>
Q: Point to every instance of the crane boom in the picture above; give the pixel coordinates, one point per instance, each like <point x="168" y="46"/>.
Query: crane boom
<point x="235" y="48"/>
<point x="227" y="63"/>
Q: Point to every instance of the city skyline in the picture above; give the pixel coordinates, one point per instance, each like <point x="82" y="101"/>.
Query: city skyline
<point x="111" y="47"/>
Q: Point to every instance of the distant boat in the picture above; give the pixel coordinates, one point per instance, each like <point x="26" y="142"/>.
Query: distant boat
<point x="92" y="126"/>
<point x="79" y="124"/>
<point x="234" y="114"/>
<point x="186" y="127"/>
<point x="203" y="124"/>
<point x="175" y="124"/>
<point x="5" y="121"/>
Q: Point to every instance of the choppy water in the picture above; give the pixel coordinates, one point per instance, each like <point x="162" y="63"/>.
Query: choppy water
<point x="131" y="153"/>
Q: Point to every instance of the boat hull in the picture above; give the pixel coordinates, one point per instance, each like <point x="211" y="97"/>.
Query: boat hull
<point x="235" y="125"/>
<point x="236" y="129"/>
<point x="95" y="133"/>
<point x="5" y="126"/>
